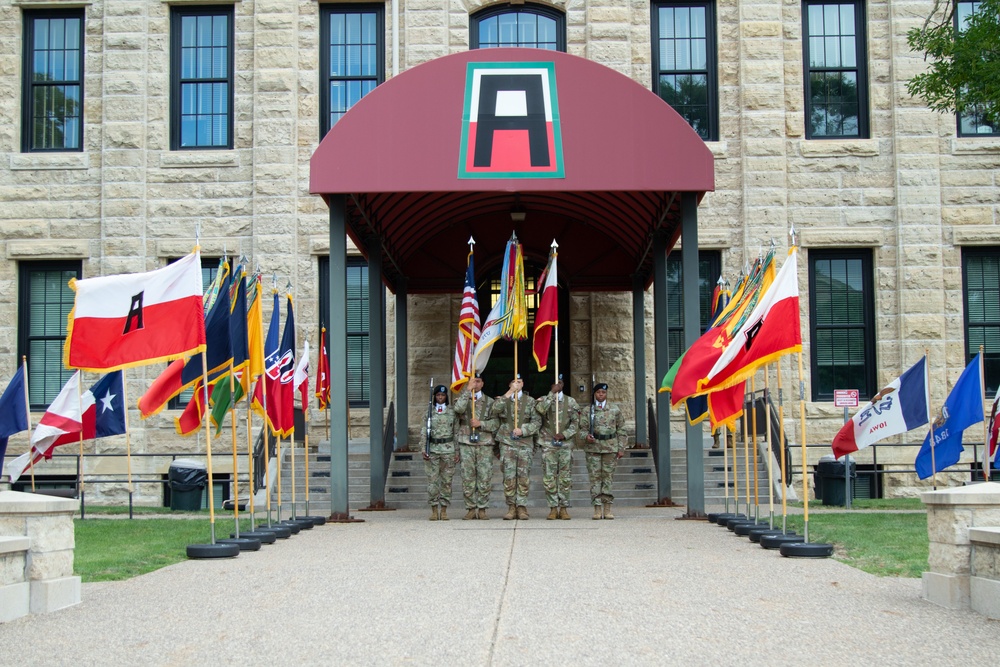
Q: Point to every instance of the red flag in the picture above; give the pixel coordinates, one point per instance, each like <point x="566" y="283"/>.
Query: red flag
<point x="136" y="319"/>
<point x="771" y="330"/>
<point x="547" y="315"/>
<point x="726" y="405"/>
<point x="323" y="373"/>
<point x="994" y="426"/>
<point x="193" y="417"/>
<point x="469" y="329"/>
<point x="164" y="387"/>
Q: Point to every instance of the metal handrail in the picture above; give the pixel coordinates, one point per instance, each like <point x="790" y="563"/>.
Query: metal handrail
<point x="388" y="439"/>
<point x="651" y="432"/>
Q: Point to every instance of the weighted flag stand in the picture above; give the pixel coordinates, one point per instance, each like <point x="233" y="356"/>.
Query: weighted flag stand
<point x="215" y="549"/>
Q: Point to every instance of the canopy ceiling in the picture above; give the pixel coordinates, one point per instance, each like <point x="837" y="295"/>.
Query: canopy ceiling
<point x="627" y="156"/>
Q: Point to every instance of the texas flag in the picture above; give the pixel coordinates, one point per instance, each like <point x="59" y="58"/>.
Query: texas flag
<point x="136" y="319"/>
<point x="102" y="415"/>
<point x="900" y="407"/>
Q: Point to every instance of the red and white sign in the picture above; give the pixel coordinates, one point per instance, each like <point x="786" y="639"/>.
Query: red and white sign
<point x="846" y="398"/>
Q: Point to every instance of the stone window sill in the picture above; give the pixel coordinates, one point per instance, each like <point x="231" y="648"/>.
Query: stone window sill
<point x="839" y="148"/>
<point x="49" y="161"/>
<point x="975" y="146"/>
<point x="199" y="159"/>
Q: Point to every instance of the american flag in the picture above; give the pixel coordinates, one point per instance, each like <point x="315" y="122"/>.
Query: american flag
<point x="468" y="329"/>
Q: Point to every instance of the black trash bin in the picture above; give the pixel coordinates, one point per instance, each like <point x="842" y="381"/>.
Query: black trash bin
<point x="187" y="480"/>
<point x="830" y="481"/>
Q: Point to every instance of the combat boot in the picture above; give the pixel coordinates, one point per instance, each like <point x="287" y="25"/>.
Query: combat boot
<point x="511" y="513"/>
<point x="482" y="514"/>
<point x="471" y="514"/>
<point x="597" y="512"/>
<point x="434" y="513"/>
<point x="553" y="513"/>
<point x="564" y="513"/>
<point x="444" y="513"/>
<point x="607" y="511"/>
<point x="522" y="512"/>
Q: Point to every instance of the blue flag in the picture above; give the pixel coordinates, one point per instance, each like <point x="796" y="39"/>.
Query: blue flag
<point x="13" y="411"/>
<point x="962" y="409"/>
<point x="109" y="406"/>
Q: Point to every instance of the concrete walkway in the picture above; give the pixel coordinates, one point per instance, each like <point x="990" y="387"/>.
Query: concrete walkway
<point x="642" y="589"/>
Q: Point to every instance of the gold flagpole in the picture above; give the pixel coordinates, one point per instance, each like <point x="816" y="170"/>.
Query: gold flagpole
<point x="250" y="469"/>
<point x="208" y="443"/>
<point x="930" y="425"/>
<point x="236" y="465"/>
<point x="986" y="424"/>
<point x="746" y="447"/>
<point x="128" y="440"/>
<point x="27" y="410"/>
<point x="805" y="476"/>
<point x="781" y="449"/>
<point x="753" y="414"/>
<point x="305" y="427"/>
<point x="79" y="472"/>
<point x="770" y="449"/>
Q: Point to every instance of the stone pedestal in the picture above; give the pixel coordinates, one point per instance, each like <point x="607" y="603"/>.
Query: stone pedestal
<point x="951" y="513"/>
<point x="36" y="554"/>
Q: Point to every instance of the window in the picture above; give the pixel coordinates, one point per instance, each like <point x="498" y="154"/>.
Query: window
<point x="201" y="78"/>
<point x="526" y="25"/>
<point x="209" y="269"/>
<point x="352" y="60"/>
<point x="971" y="123"/>
<point x="684" y="63"/>
<point x="836" y="69"/>
<point x="709" y="270"/>
<point x="358" y="348"/>
<point x="52" y="113"/>
<point x="44" y="302"/>
<point x="842" y="322"/>
<point x="981" y="287"/>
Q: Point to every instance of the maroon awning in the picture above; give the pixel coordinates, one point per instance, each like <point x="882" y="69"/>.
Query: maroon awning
<point x="626" y="155"/>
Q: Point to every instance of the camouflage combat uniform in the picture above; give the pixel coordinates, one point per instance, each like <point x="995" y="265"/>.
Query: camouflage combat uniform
<point x="515" y="454"/>
<point x="477" y="461"/>
<point x="441" y="466"/>
<point x="557" y="475"/>
<point x="602" y="454"/>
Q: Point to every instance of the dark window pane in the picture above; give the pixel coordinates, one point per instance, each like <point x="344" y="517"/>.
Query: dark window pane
<point x="353" y="50"/>
<point x="518" y="27"/>
<point x="44" y="305"/>
<point x="709" y="263"/>
<point x="202" y="71"/>
<point x="685" y="63"/>
<point x="52" y="80"/>
<point x="835" y="81"/>
<point x="981" y="281"/>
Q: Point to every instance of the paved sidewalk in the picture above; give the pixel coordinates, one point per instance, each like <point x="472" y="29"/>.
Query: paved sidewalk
<point x="643" y="589"/>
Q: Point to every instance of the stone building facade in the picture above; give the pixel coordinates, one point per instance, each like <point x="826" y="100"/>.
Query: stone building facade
<point x="908" y="192"/>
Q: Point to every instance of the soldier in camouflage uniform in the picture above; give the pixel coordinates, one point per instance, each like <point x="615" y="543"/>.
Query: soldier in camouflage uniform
<point x="557" y="477"/>
<point x="603" y="438"/>
<point x="475" y="441"/>
<point x="516" y="445"/>
<point x="440" y="463"/>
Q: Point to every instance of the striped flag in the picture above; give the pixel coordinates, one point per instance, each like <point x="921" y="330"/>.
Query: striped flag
<point x="469" y="329"/>
<point x="515" y="325"/>
<point x="136" y="319"/>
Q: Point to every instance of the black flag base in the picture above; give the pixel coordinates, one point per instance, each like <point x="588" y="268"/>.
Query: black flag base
<point x="775" y="541"/>
<point x="290" y="525"/>
<point x="314" y="520"/>
<point x="217" y="550"/>
<point x="722" y="519"/>
<point x="243" y="542"/>
<point x="743" y="529"/>
<point x="806" y="550"/>
<point x="263" y="536"/>
<point x="301" y="522"/>
<point x="756" y="534"/>
<point x="281" y="532"/>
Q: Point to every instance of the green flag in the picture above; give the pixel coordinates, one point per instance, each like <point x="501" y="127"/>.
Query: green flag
<point x="223" y="400"/>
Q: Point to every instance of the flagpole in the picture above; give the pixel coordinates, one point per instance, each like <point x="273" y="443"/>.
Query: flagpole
<point x="746" y="449"/>
<point x="305" y="427"/>
<point x="753" y="435"/>
<point x="986" y="425"/>
<point x="27" y="411"/>
<point x="128" y="442"/>
<point x="781" y="449"/>
<point x="805" y="476"/>
<point x="79" y="471"/>
<point x="250" y="469"/>
<point x="208" y="444"/>
<point x="930" y="425"/>
<point x="236" y="465"/>
<point x="725" y="463"/>
<point x="770" y="466"/>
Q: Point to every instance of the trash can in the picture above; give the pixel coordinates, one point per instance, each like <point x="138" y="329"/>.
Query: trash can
<point x="187" y="480"/>
<point x="830" y="480"/>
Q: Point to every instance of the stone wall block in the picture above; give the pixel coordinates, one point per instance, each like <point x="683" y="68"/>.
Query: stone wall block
<point x="949" y="558"/>
<point x="50" y="565"/>
<point x="50" y="533"/>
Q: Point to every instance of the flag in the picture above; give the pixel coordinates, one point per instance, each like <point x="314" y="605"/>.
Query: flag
<point x="238" y="330"/>
<point x="223" y="399"/>
<point x="994" y="427"/>
<point x="193" y="416"/>
<point x="271" y="359"/>
<point x="699" y="408"/>
<point x="547" y="314"/>
<point x="469" y="329"/>
<point x="300" y="380"/>
<point x="179" y="376"/>
<point x="515" y="325"/>
<point x="13" y="411"/>
<point x="279" y="375"/>
<point x="255" y="330"/>
<point x="898" y="408"/>
<point x="682" y="379"/>
<point x="136" y="319"/>
<point x="323" y="373"/>
<point x="490" y="335"/>
<point x="962" y="409"/>
<point x="102" y="415"/>
<point x="725" y="406"/>
<point x="770" y="331"/>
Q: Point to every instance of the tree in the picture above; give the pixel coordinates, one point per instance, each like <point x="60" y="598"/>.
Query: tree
<point x="964" y="54"/>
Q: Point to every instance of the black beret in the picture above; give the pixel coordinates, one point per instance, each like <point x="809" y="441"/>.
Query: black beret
<point x="599" y="385"/>
<point x="441" y="389"/>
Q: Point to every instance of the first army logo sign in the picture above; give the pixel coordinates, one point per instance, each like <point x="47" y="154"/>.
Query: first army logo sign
<point x="510" y="123"/>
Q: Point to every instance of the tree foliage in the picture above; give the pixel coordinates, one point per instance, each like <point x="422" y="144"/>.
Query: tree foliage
<point x="964" y="72"/>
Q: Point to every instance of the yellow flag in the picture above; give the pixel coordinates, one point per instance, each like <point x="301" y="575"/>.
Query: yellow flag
<point x="255" y="331"/>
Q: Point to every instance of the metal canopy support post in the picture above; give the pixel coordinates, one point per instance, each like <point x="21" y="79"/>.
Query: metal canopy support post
<point x="376" y="366"/>
<point x="694" y="437"/>
<point x="402" y="377"/>
<point x="338" y="357"/>
<point x="639" y="347"/>
<point x="663" y="486"/>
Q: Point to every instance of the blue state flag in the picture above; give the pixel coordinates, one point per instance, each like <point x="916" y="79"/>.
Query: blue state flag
<point x="962" y="409"/>
<point x="13" y="411"/>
